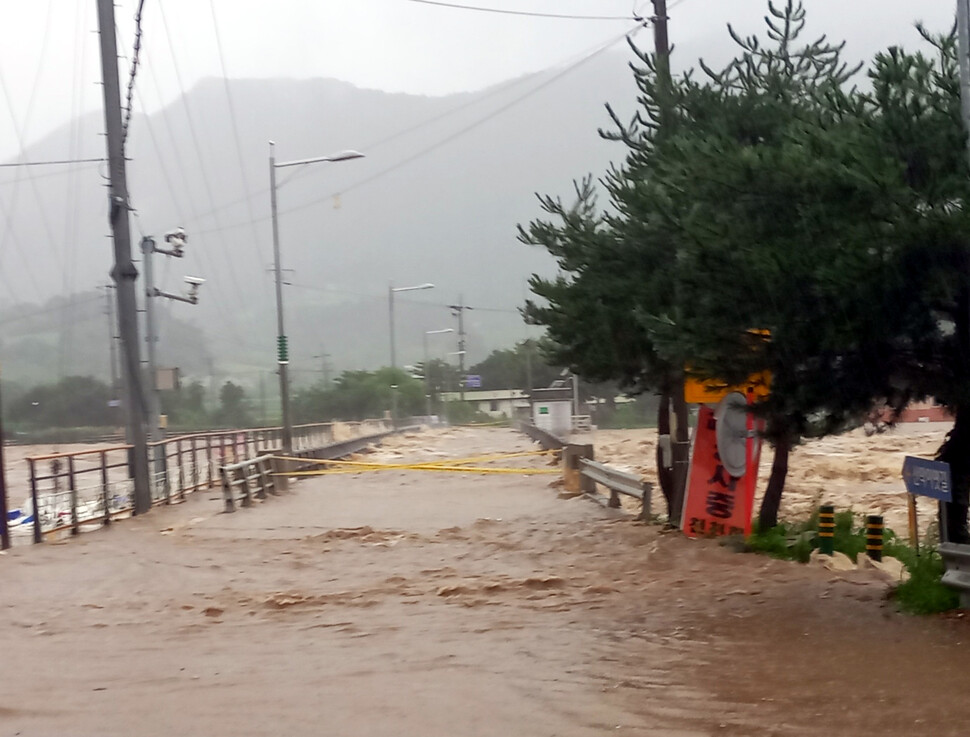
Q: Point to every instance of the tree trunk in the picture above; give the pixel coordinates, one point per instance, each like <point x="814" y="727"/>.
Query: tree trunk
<point x="680" y="444"/>
<point x="771" y="502"/>
<point x="664" y="475"/>
<point x="955" y="450"/>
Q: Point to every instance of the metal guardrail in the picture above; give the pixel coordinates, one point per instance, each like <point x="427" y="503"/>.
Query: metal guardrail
<point x="547" y="440"/>
<point x="618" y="482"/>
<point x="249" y="479"/>
<point x="956" y="559"/>
<point x="592" y="473"/>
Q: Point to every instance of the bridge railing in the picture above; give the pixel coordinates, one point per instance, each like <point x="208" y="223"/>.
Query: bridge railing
<point x="78" y="490"/>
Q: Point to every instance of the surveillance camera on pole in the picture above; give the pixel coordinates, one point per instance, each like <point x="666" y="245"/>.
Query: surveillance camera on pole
<point x="194" y="283"/>
<point x="177" y="239"/>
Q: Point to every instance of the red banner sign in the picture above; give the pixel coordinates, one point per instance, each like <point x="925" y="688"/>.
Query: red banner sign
<point x="715" y="502"/>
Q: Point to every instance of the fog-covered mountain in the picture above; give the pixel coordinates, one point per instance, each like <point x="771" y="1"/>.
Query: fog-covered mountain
<point x="437" y="199"/>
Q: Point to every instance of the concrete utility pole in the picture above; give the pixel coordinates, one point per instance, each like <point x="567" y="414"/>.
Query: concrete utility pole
<point x="282" y="352"/>
<point x="124" y="272"/>
<point x="458" y="310"/>
<point x="4" y="528"/>
<point x="681" y="439"/>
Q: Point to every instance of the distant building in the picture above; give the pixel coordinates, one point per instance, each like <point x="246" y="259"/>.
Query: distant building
<point x="512" y="403"/>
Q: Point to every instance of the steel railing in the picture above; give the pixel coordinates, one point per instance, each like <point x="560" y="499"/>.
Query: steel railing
<point x="89" y="488"/>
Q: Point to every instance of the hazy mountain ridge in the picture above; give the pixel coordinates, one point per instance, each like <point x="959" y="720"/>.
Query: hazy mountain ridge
<point x="447" y="216"/>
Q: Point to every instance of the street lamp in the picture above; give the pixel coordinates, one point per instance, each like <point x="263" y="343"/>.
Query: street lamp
<point x="390" y="310"/>
<point x="282" y="352"/>
<point x="427" y="379"/>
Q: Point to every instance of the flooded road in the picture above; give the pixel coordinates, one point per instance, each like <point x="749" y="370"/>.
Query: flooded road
<point x="433" y="604"/>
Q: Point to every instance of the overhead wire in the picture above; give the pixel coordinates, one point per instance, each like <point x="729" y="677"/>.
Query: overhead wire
<point x="72" y="210"/>
<point x="235" y="130"/>
<point x="20" y="130"/>
<point x="462" y="131"/>
<point x="228" y="260"/>
<point x="527" y="13"/>
<point x="135" y="56"/>
<point x="53" y="162"/>
<point x="237" y="293"/>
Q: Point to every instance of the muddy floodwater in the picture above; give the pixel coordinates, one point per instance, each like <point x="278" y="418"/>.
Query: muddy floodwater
<point x="454" y="605"/>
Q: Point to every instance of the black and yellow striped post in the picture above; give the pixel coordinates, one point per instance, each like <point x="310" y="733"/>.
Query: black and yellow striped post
<point x="826" y="529"/>
<point x="874" y="536"/>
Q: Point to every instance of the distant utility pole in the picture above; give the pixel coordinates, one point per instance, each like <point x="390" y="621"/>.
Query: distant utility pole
<point x="458" y="310"/>
<point x="324" y="368"/>
<point x="124" y="272"/>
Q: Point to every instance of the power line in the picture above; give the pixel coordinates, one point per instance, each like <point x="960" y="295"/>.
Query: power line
<point x="462" y="131"/>
<point x="135" y="54"/>
<point x="501" y="11"/>
<point x="52" y="162"/>
<point x="228" y="260"/>
<point x="235" y="129"/>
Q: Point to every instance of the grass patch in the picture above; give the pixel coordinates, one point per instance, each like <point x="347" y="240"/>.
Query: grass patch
<point x="923" y="593"/>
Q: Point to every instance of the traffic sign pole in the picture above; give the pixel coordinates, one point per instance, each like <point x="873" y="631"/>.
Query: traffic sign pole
<point x="913" y="526"/>
<point x="924" y="477"/>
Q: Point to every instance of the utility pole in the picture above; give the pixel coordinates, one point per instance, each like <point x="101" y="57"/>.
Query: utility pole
<point x="175" y="241"/>
<point x="458" y="311"/>
<point x="124" y="272"/>
<point x="4" y="528"/>
<point x="963" y="38"/>
<point x="282" y="350"/>
<point x="681" y="439"/>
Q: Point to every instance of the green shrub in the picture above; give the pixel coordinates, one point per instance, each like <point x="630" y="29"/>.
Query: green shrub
<point x="923" y="593"/>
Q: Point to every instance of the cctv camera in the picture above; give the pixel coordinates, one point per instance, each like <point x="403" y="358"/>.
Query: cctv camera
<point x="176" y="235"/>
<point x="195" y="281"/>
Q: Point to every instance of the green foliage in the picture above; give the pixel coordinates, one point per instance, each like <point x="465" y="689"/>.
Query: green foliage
<point x="360" y="395"/>
<point x="785" y="541"/>
<point x="232" y="411"/>
<point x="521" y="367"/>
<point x="462" y="413"/>
<point x="923" y="593"/>
<point x="185" y="407"/>
<point x="72" y="402"/>
<point x="628" y="415"/>
<point x="772" y="195"/>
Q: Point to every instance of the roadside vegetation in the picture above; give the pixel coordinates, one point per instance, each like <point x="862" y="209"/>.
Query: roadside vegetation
<point x="923" y="593"/>
<point x="791" y="212"/>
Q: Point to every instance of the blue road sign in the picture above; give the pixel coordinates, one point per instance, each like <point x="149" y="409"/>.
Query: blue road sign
<point x="928" y="478"/>
<point x="473" y="381"/>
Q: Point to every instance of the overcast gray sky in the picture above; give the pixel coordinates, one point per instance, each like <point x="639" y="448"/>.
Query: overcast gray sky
<point x="49" y="56"/>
